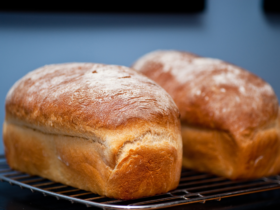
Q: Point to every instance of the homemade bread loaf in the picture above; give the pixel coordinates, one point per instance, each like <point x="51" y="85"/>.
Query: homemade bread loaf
<point x="102" y="128"/>
<point x="228" y="115"/>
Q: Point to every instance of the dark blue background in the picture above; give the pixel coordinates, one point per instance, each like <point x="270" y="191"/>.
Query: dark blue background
<point x="234" y="30"/>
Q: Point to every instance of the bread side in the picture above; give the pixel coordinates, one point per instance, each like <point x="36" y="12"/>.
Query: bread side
<point x="218" y="152"/>
<point x="115" y="140"/>
<point x="151" y="165"/>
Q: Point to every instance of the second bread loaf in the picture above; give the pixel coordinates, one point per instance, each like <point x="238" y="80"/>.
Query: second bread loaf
<point x="229" y="115"/>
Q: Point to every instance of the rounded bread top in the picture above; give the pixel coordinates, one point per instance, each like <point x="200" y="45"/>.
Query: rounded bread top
<point x="85" y="96"/>
<point x="212" y="93"/>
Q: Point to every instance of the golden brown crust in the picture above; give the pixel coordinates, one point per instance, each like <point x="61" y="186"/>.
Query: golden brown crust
<point x="82" y="97"/>
<point x="211" y="93"/>
<point x="83" y="124"/>
<point x="229" y="115"/>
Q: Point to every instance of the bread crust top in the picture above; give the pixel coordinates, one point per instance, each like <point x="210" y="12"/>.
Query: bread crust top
<point x="80" y="98"/>
<point x="211" y="93"/>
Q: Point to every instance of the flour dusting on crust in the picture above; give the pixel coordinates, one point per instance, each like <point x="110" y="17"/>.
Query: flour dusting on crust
<point x="95" y="94"/>
<point x="211" y="92"/>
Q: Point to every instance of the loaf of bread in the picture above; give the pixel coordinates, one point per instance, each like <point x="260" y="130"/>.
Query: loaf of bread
<point x="228" y="115"/>
<point x="103" y="128"/>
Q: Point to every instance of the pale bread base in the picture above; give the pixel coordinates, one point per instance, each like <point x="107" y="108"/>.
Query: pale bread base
<point x="217" y="152"/>
<point x="146" y="168"/>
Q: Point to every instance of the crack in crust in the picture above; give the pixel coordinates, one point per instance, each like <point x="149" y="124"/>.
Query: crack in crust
<point x="149" y="137"/>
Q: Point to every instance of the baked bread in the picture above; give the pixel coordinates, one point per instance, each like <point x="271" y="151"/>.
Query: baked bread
<point x="228" y="115"/>
<point x="102" y="128"/>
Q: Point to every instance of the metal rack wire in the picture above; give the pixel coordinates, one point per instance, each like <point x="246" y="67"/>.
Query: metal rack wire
<point x="194" y="187"/>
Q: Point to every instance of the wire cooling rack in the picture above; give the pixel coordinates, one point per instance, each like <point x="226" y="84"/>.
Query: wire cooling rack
<point x="194" y="187"/>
